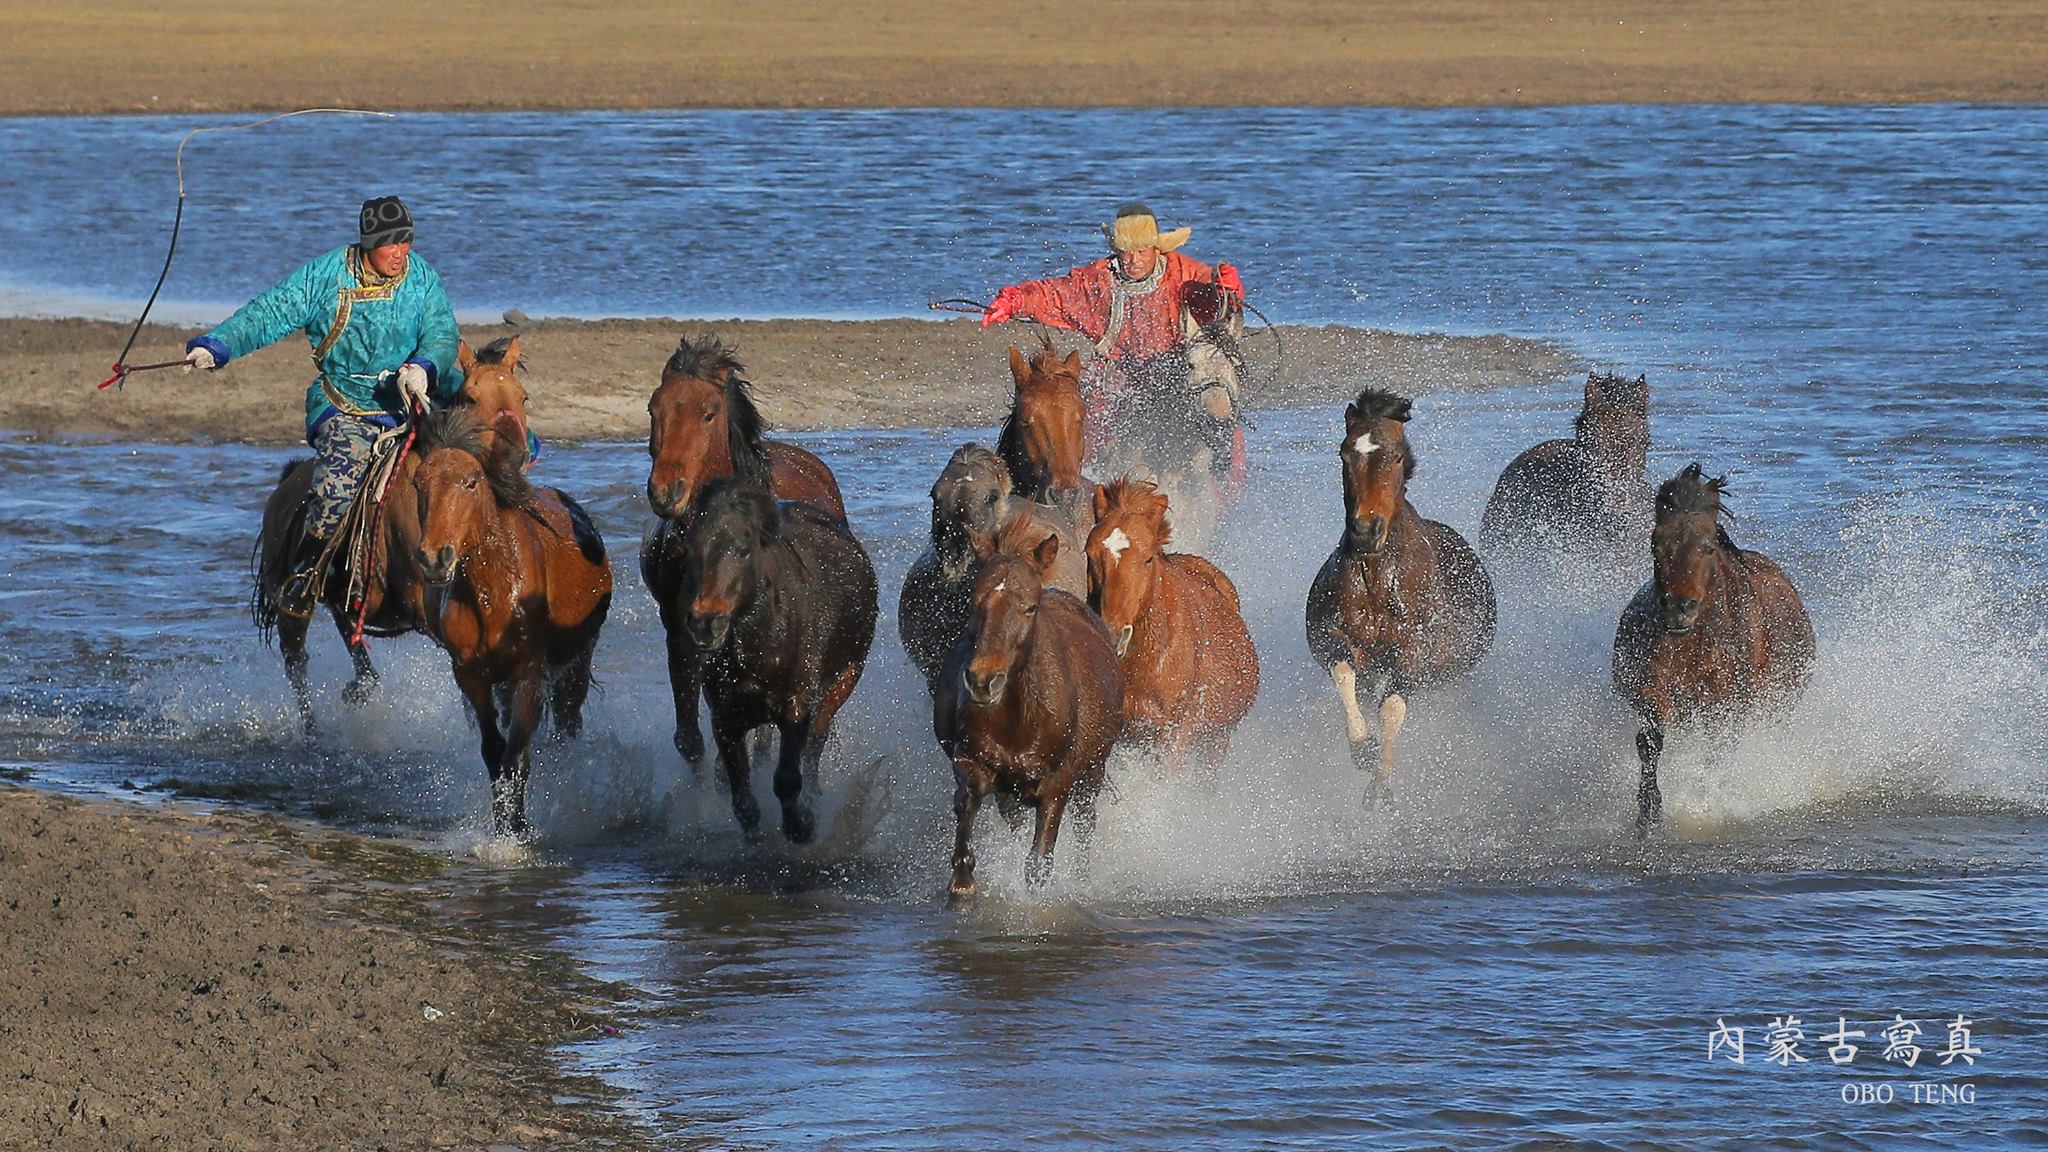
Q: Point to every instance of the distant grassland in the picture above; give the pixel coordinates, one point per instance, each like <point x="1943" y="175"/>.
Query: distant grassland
<point x="95" y="56"/>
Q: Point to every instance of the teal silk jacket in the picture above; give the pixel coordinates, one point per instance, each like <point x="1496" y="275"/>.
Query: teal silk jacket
<point x="361" y="330"/>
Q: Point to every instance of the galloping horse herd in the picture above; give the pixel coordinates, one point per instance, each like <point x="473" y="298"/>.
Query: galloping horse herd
<point x="1049" y="617"/>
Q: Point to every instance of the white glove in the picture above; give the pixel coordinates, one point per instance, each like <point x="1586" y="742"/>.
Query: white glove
<point x="201" y="359"/>
<point x="412" y="388"/>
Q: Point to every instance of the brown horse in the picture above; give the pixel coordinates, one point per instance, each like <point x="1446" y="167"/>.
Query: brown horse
<point x="971" y="501"/>
<point x="391" y="591"/>
<point x="1403" y="602"/>
<point x="1190" y="669"/>
<point x="1030" y="704"/>
<point x="1041" y="442"/>
<point x="705" y="427"/>
<point x="782" y="608"/>
<point x="1718" y="635"/>
<point x="1585" y="496"/>
<point x="516" y="588"/>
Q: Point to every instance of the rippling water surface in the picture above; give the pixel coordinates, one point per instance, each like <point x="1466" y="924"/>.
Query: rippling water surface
<point x="1841" y="305"/>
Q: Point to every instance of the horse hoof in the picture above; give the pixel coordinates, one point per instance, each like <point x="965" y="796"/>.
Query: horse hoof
<point x="691" y="744"/>
<point x="960" y="899"/>
<point x="799" y="827"/>
<point x="359" y="692"/>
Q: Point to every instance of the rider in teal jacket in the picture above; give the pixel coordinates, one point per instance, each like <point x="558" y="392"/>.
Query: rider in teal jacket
<point x="384" y="340"/>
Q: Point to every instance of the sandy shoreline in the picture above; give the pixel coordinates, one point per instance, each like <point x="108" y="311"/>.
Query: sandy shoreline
<point x="589" y="380"/>
<point x="182" y="979"/>
<point x="97" y="56"/>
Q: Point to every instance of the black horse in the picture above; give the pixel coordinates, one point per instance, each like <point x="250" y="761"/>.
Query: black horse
<point x="781" y="605"/>
<point x="1585" y="497"/>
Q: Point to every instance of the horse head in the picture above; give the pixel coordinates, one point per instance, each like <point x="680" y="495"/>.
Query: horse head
<point x="1378" y="461"/>
<point x="490" y="385"/>
<point x="1004" y="615"/>
<point x="1124" y="554"/>
<point x="1041" y="441"/>
<point x="723" y="554"/>
<point x="703" y="426"/>
<point x="1686" y="545"/>
<point x="461" y="481"/>
<point x="1614" y="422"/>
<point x="970" y="504"/>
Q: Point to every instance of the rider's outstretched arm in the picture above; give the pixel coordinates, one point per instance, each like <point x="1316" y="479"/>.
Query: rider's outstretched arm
<point x="285" y="309"/>
<point x="1078" y="301"/>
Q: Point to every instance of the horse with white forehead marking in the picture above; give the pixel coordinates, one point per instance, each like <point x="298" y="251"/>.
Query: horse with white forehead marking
<point x="1190" y="669"/>
<point x="1403" y="602"/>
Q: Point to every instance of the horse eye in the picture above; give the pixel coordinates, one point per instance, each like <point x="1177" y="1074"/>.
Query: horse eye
<point x="1031" y="611"/>
<point x="710" y="415"/>
<point x="991" y="499"/>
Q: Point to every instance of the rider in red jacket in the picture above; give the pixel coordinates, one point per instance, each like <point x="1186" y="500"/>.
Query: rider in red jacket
<point x="1131" y="305"/>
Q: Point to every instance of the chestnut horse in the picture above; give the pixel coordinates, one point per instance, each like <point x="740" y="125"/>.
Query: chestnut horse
<point x="391" y="592"/>
<point x="704" y="427"/>
<point x="1718" y="635"/>
<point x="1190" y="669"/>
<point x="1030" y="704"/>
<point x="1041" y="441"/>
<point x="516" y="589"/>
<point x="1585" y="496"/>
<point x="971" y="501"/>
<point x="782" y="608"/>
<point x="1403" y="602"/>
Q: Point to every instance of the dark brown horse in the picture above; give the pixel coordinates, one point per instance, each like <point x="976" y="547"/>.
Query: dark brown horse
<point x="516" y="589"/>
<point x="971" y="501"/>
<point x="1190" y="670"/>
<point x="1585" y="496"/>
<point x="705" y="427"/>
<point x="1403" y="602"/>
<point x="1041" y="442"/>
<point x="391" y="591"/>
<point x="782" y="608"/>
<point x="1030" y="704"/>
<point x="1718" y="635"/>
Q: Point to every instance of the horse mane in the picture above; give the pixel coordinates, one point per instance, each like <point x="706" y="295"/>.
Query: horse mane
<point x="711" y="359"/>
<point x="976" y="456"/>
<point x="1129" y="494"/>
<point x="494" y="352"/>
<point x="1019" y="536"/>
<point x="1693" y="493"/>
<point x="742" y="497"/>
<point x="459" y="429"/>
<point x="1381" y="404"/>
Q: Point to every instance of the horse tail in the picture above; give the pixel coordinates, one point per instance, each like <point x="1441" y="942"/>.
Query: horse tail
<point x="262" y="606"/>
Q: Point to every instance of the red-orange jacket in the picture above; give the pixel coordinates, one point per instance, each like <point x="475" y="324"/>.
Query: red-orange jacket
<point x="1079" y="301"/>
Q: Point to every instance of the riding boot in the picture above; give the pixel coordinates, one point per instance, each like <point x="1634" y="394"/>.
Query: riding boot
<point x="301" y="588"/>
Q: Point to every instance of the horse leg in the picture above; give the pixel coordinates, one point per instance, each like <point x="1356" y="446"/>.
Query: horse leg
<point x="291" y="640"/>
<point x="686" y="683"/>
<point x="1649" y="801"/>
<point x="739" y="775"/>
<point x="569" y="690"/>
<point x="509" y="792"/>
<point x="1393" y="712"/>
<point x="364" y="685"/>
<point x="1364" y="750"/>
<point x="483" y="702"/>
<point x="1038" y="870"/>
<point x="970" y="784"/>
<point x="798" y="825"/>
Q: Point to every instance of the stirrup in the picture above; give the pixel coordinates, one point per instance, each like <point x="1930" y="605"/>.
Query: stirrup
<point x="297" y="598"/>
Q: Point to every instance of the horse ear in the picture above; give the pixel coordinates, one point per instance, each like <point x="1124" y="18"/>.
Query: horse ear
<point x="465" y="358"/>
<point x="1047" y="551"/>
<point x="510" y="450"/>
<point x="1101" y="501"/>
<point x="1073" y="361"/>
<point x="1020" y="368"/>
<point x="511" y="360"/>
<point x="1160" y="504"/>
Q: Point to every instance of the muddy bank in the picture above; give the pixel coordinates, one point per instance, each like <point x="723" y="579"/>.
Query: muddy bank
<point x="589" y="380"/>
<point x="190" y="55"/>
<point x="177" y="980"/>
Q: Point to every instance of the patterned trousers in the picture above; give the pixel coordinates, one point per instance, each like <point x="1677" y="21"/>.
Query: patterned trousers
<point x="342" y="450"/>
